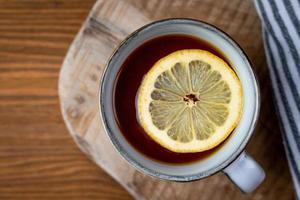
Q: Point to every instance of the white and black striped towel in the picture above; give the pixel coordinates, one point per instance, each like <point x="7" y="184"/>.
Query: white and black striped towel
<point x="281" y="31"/>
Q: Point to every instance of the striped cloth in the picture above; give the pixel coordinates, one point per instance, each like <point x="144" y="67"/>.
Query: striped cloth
<point x="281" y="33"/>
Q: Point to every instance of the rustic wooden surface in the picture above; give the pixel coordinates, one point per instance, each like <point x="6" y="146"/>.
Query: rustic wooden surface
<point x="108" y="23"/>
<point x="38" y="159"/>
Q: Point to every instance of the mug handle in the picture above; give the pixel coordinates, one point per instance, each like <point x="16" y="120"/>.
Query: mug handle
<point x="245" y="172"/>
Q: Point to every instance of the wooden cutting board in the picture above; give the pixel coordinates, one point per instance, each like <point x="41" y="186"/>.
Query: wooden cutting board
<point x="110" y="22"/>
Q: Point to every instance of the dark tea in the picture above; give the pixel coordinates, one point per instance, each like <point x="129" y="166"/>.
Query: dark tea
<point x="127" y="84"/>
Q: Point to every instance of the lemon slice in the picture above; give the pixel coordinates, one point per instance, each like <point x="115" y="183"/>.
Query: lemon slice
<point x="189" y="101"/>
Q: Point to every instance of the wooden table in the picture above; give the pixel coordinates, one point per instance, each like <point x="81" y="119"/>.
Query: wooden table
<point x="38" y="159"/>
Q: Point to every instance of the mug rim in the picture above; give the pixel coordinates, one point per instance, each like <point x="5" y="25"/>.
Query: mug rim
<point x="160" y="175"/>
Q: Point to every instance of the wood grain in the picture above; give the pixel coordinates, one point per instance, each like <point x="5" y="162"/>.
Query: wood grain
<point x="38" y="159"/>
<point x="108" y="23"/>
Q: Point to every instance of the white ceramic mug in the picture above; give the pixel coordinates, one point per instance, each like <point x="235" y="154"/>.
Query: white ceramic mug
<point x="231" y="158"/>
